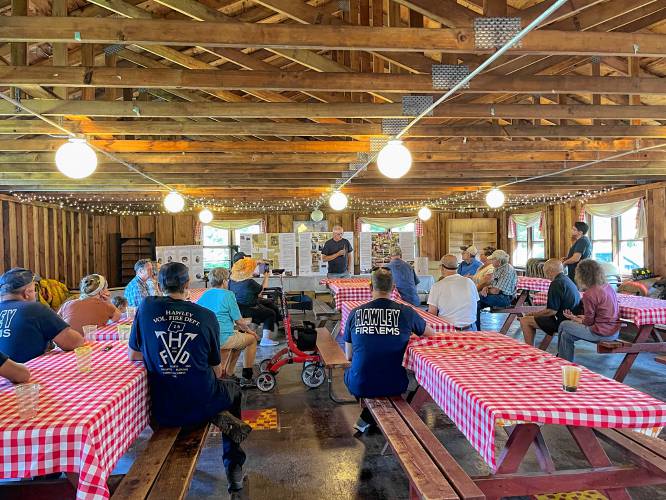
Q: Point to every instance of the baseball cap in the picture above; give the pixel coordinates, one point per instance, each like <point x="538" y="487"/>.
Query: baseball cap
<point x="500" y="255"/>
<point x="173" y="275"/>
<point x="16" y="278"/>
<point x="471" y="249"/>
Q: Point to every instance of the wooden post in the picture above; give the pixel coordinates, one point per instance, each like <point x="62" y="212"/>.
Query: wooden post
<point x="494" y="8"/>
<point x="19" y="50"/>
<point x="635" y="72"/>
<point x="88" y="60"/>
<point x="111" y="93"/>
<point x="59" y="9"/>
<point x="377" y="20"/>
<point x="596" y="98"/>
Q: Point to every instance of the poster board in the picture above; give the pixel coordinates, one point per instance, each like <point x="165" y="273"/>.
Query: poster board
<point x="310" y="262"/>
<point x="190" y="255"/>
<point x="375" y="248"/>
<point x="278" y="249"/>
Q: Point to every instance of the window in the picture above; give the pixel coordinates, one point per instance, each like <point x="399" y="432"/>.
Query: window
<point x="529" y="244"/>
<point x="371" y="228"/>
<point x="614" y="240"/>
<point x="218" y="244"/>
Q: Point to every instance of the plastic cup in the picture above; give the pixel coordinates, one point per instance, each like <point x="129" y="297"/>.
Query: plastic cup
<point x="570" y="378"/>
<point x="131" y="312"/>
<point x="124" y="332"/>
<point x="84" y="358"/>
<point x="27" y="399"/>
<point x="90" y="333"/>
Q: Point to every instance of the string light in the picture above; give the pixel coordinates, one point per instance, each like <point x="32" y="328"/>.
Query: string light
<point x="205" y="216"/>
<point x="394" y="160"/>
<point x="495" y="198"/>
<point x="76" y="159"/>
<point x="425" y="213"/>
<point x="338" y="200"/>
<point x="174" y="202"/>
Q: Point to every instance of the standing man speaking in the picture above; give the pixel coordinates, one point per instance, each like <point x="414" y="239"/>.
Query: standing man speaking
<point x="338" y="253"/>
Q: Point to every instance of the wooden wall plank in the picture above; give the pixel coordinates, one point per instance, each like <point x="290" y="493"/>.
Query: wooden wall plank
<point x="10" y="228"/>
<point x="4" y="239"/>
<point x="164" y="230"/>
<point x="183" y="230"/>
<point x="129" y="226"/>
<point x="145" y="225"/>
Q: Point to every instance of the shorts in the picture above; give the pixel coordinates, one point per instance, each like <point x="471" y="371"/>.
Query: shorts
<point x="548" y="324"/>
<point x="238" y="341"/>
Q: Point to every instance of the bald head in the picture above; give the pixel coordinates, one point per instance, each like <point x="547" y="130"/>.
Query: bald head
<point x="552" y="267"/>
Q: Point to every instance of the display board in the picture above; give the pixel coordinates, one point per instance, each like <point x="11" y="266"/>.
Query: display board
<point x="375" y="248"/>
<point x="309" y="256"/>
<point x="190" y="255"/>
<point x="278" y="249"/>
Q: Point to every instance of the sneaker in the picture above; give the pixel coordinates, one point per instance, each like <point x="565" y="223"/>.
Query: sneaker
<point x="232" y="427"/>
<point x="235" y="478"/>
<point x="266" y="342"/>
<point x="361" y="425"/>
<point x="248" y="383"/>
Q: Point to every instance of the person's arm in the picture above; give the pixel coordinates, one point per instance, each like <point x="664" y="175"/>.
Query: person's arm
<point x="326" y="257"/>
<point x="350" y="262"/>
<point x="69" y="339"/>
<point x="433" y="309"/>
<point x="218" y="370"/>
<point x="348" y="351"/>
<point x="573" y="259"/>
<point x="14" y="372"/>
<point x="134" y="355"/>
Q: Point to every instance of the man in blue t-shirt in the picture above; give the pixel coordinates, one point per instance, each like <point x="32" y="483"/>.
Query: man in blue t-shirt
<point x="376" y="336"/>
<point x="27" y="327"/>
<point x="338" y="253"/>
<point x="470" y="264"/>
<point x="179" y="344"/>
<point x="404" y="277"/>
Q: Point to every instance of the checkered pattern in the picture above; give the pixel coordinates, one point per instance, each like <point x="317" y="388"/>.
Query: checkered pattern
<point x="196" y="293"/>
<point x="262" y="420"/>
<point x="109" y="333"/>
<point x="85" y="421"/>
<point x="480" y="378"/>
<point x="353" y="290"/>
<point x="533" y="284"/>
<point x="639" y="310"/>
<point x="439" y="325"/>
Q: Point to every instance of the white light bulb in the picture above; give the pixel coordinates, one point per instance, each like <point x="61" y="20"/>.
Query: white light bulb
<point x="174" y="202"/>
<point x="338" y="201"/>
<point x="425" y="213"/>
<point x="76" y="159"/>
<point x="205" y="216"/>
<point x="317" y="215"/>
<point x="495" y="198"/>
<point x="394" y="160"/>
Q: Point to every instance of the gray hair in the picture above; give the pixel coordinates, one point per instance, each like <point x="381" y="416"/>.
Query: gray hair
<point x="217" y="276"/>
<point x="589" y="274"/>
<point x="382" y="280"/>
<point x="141" y="264"/>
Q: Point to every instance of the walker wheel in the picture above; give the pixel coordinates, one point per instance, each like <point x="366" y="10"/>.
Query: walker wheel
<point x="266" y="381"/>
<point x="313" y="375"/>
<point x="263" y="366"/>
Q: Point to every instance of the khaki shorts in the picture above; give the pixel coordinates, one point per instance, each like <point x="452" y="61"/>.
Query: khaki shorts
<point x="239" y="341"/>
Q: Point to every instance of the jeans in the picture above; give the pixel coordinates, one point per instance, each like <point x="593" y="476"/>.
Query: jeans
<point x="232" y="454"/>
<point x="498" y="300"/>
<point x="339" y="275"/>
<point x="570" y="332"/>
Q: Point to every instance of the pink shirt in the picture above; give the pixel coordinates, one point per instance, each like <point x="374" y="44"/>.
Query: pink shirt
<point x="602" y="311"/>
<point x="88" y="311"/>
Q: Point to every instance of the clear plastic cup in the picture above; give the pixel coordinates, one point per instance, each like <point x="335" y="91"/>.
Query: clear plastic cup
<point x="84" y="358"/>
<point x="124" y="332"/>
<point x="90" y="333"/>
<point x="131" y="312"/>
<point x="27" y="399"/>
<point x="570" y="378"/>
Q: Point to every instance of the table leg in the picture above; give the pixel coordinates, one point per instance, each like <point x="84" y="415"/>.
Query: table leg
<point x="629" y="358"/>
<point x="519" y="442"/>
<point x="594" y="453"/>
<point x="524" y="294"/>
<point x="419" y="398"/>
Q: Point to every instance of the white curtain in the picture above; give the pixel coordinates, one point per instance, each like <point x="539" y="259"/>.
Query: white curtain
<point x="387" y="222"/>
<point x="618" y="208"/>
<point x="235" y="224"/>
<point x="529" y="220"/>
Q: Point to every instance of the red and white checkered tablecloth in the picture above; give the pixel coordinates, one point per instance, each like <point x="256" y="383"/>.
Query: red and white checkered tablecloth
<point x="85" y="423"/>
<point x="109" y="333"/>
<point x="360" y="280"/>
<point x="353" y="291"/>
<point x="483" y="378"/>
<point x="639" y="310"/>
<point x="196" y="293"/>
<point x="439" y="325"/>
<point x="533" y="284"/>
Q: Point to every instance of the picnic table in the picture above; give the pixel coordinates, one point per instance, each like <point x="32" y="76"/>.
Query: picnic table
<point x="85" y="422"/>
<point x="352" y="289"/>
<point x="439" y="325"/>
<point x="524" y="286"/>
<point x="487" y="380"/>
<point x="645" y="313"/>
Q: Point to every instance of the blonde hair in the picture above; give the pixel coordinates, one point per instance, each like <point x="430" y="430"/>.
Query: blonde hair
<point x="217" y="276"/>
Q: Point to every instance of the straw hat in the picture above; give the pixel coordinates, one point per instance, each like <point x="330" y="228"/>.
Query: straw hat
<point x="243" y="269"/>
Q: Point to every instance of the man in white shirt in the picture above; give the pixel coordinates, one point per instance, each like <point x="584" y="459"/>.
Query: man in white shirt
<point x="454" y="297"/>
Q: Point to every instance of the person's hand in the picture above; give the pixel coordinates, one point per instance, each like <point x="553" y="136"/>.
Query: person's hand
<point x="484" y="291"/>
<point x="340" y="253"/>
<point x="105" y="295"/>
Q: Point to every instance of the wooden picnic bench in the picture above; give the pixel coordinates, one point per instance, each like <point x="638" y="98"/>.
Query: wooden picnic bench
<point x="164" y="470"/>
<point x="515" y="311"/>
<point x="660" y="359"/>
<point x="432" y="472"/>
<point x="324" y="313"/>
<point x="332" y="356"/>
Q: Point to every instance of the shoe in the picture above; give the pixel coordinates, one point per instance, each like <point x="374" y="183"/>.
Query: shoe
<point x="232" y="427"/>
<point x="235" y="478"/>
<point x="266" y="342"/>
<point x="361" y="425"/>
<point x="248" y="383"/>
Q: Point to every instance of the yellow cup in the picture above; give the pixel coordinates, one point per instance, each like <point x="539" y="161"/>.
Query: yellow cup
<point x="84" y="358"/>
<point x="124" y="332"/>
<point x="570" y="378"/>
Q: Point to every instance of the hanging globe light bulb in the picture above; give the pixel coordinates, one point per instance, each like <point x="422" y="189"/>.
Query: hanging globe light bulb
<point x="338" y="201"/>
<point x="394" y="160"/>
<point x="205" y="216"/>
<point x="425" y="213"/>
<point x="76" y="159"/>
<point x="174" y="202"/>
<point x="495" y="198"/>
<point x="317" y="215"/>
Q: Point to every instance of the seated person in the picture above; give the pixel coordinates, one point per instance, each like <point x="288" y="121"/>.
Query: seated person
<point x="121" y="303"/>
<point x="454" y="297"/>
<point x="235" y="335"/>
<point x="562" y="296"/>
<point x="376" y="336"/>
<point x="178" y="342"/>
<point x="27" y="327"/>
<point x="485" y="273"/>
<point x="93" y="307"/>
<point x="14" y="372"/>
<point x="501" y="289"/>
<point x="250" y="304"/>
<point x="404" y="277"/>
<point x="601" y="312"/>
<point x="142" y="285"/>
<point x="469" y="265"/>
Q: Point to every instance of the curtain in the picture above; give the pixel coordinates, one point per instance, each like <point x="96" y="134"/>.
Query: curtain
<point x="237" y="223"/>
<point x="387" y="222"/>
<point x="532" y="219"/>
<point x="618" y="208"/>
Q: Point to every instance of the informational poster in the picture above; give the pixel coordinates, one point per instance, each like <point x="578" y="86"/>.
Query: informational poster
<point x="311" y="244"/>
<point x="375" y="248"/>
<point x="278" y="249"/>
<point x="310" y="226"/>
<point x="190" y="255"/>
<point x="245" y="244"/>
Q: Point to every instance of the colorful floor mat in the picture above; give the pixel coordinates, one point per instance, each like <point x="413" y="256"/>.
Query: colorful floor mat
<point x="574" y="495"/>
<point x="262" y="420"/>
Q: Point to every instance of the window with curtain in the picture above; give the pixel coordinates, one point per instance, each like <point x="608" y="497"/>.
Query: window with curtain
<point x="372" y="228"/>
<point x="529" y="244"/>
<point x="218" y="243"/>
<point x="614" y="240"/>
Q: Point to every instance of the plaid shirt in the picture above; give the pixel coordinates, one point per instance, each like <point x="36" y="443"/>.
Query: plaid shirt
<point x="504" y="278"/>
<point x="135" y="291"/>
